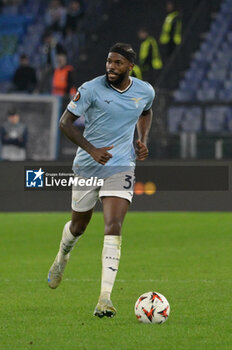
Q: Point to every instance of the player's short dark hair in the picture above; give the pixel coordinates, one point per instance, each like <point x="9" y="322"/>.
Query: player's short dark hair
<point x="124" y="50"/>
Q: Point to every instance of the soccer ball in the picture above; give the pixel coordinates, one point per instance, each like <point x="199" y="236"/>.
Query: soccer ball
<point x="152" y="307"/>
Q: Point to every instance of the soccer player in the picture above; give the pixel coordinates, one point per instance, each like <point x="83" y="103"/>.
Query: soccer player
<point x="113" y="104"/>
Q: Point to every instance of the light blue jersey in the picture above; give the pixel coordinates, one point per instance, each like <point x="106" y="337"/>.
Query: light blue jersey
<point x="110" y="119"/>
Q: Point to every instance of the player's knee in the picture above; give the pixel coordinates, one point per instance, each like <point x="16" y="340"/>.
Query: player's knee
<point x="113" y="228"/>
<point x="77" y="229"/>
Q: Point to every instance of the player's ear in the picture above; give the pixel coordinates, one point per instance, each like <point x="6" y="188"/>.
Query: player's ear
<point x="131" y="66"/>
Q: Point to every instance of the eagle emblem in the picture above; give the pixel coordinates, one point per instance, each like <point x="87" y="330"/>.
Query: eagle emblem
<point x="136" y="101"/>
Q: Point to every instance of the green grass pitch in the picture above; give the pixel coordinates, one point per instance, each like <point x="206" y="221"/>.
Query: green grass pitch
<point x="185" y="256"/>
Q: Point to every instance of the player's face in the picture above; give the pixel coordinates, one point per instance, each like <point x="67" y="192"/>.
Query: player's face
<point x="117" y="68"/>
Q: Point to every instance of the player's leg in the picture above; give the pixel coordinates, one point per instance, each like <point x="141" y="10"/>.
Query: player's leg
<point x="71" y="233"/>
<point x="114" y="209"/>
<point x="83" y="202"/>
<point x="73" y="230"/>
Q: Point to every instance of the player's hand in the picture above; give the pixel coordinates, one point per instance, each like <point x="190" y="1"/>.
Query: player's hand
<point x="101" y="155"/>
<point x="141" y="150"/>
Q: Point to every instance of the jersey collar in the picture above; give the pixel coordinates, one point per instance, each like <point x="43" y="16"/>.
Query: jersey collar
<point x="121" y="91"/>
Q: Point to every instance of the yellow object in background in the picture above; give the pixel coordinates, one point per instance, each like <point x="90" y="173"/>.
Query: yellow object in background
<point x="149" y="188"/>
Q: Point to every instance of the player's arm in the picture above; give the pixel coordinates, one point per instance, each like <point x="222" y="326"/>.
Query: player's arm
<point x="143" y="128"/>
<point x="100" y="155"/>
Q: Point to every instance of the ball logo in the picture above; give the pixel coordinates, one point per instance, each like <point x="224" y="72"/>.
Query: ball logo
<point x="152" y="307"/>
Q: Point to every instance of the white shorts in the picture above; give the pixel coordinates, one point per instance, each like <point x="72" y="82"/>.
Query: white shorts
<point x="118" y="185"/>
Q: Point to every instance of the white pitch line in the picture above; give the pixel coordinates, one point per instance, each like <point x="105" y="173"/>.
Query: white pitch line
<point x="86" y="280"/>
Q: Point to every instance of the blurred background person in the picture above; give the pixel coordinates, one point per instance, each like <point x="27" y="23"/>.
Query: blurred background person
<point x="74" y="15"/>
<point x="24" y="79"/>
<point x="72" y="45"/>
<point x="13" y="138"/>
<point x="63" y="82"/>
<point x="55" y="16"/>
<point x="50" y="49"/>
<point x="171" y="34"/>
<point x="73" y="36"/>
<point x="149" y="56"/>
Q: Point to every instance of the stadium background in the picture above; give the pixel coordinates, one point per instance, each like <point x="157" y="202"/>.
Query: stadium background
<point x="192" y="111"/>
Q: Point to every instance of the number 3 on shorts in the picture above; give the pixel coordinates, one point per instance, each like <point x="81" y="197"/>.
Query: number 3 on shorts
<point x="128" y="180"/>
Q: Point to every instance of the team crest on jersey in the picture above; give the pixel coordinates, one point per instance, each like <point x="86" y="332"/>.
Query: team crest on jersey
<point x="136" y="101"/>
<point x="77" y="96"/>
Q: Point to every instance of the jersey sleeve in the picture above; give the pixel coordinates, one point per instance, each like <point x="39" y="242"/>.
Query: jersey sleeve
<point x="150" y="99"/>
<point x="81" y="101"/>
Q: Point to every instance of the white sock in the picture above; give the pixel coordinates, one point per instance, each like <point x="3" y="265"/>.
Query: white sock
<point x="67" y="243"/>
<point x="110" y="260"/>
